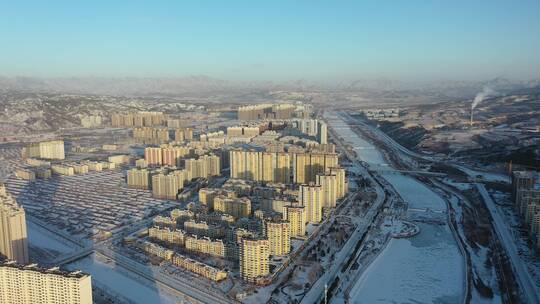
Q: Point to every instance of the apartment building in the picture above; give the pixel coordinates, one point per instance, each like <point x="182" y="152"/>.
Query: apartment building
<point x="199" y="268"/>
<point x="46" y="149"/>
<point x="254" y="259"/>
<point x="13" y="235"/>
<point x="30" y="284"/>
<point x="279" y="237"/>
<point x="296" y="216"/>
<point x="311" y="196"/>
<point x="237" y="207"/>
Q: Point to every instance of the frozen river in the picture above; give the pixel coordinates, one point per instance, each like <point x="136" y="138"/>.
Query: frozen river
<point x="122" y="283"/>
<point x="427" y="268"/>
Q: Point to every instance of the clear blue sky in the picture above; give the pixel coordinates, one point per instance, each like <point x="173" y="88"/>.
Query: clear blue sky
<point x="274" y="40"/>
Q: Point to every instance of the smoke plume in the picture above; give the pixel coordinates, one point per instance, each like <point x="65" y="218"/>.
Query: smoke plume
<point x="485" y="93"/>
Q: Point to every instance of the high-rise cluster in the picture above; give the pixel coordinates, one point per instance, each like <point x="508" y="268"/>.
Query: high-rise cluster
<point x="138" y="119"/>
<point x="313" y="127"/>
<point x="204" y="167"/>
<point x="308" y="165"/>
<point x="266" y="111"/>
<point x="260" y="166"/>
<point x="53" y="149"/>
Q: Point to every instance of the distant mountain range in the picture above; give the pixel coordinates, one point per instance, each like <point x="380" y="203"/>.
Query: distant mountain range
<point x="201" y="85"/>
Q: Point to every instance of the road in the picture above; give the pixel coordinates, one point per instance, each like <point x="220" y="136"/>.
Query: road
<point x="180" y="288"/>
<point x="316" y="293"/>
<point x="317" y="290"/>
<point x="505" y="236"/>
<point x="403" y="153"/>
<point x="526" y="282"/>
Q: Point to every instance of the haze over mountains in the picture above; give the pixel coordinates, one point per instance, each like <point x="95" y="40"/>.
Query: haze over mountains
<point x="201" y="85"/>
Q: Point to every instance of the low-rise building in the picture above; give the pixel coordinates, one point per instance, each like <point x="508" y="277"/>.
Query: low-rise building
<point x="199" y="268"/>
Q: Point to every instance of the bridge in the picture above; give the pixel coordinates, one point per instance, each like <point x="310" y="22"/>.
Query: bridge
<point x="390" y="170"/>
<point x="74" y="256"/>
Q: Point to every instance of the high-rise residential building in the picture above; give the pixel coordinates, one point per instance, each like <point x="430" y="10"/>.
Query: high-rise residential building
<point x="260" y="166"/>
<point x="527" y="199"/>
<point x="266" y="111"/>
<point x="171" y="155"/>
<point x="204" y="167"/>
<point x="151" y="135"/>
<point x="329" y="184"/>
<point x="311" y="197"/>
<point x="312" y="127"/>
<point x="521" y="180"/>
<point x="183" y="134"/>
<point x="13" y="237"/>
<point x="342" y="184"/>
<point x="139" y="119"/>
<point x="30" y="284"/>
<point x="139" y="178"/>
<point x="153" y="156"/>
<point x="279" y="237"/>
<point x="243" y="131"/>
<point x="237" y="207"/>
<point x="254" y="259"/>
<point x="308" y="165"/>
<point x="47" y="149"/>
<point x="322" y="133"/>
<point x="166" y="186"/>
<point x="296" y="216"/>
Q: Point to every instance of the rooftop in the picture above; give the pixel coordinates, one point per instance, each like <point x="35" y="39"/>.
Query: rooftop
<point x="53" y="271"/>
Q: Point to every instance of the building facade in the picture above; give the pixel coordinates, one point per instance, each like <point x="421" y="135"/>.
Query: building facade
<point x="33" y="285"/>
<point x="13" y="235"/>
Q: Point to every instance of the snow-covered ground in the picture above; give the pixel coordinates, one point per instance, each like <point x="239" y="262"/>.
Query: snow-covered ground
<point x="115" y="278"/>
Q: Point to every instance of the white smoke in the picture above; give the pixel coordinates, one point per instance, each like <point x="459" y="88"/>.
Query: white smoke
<point x="485" y="93"/>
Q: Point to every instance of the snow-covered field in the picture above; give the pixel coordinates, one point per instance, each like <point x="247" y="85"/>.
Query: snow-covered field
<point x="115" y="278"/>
